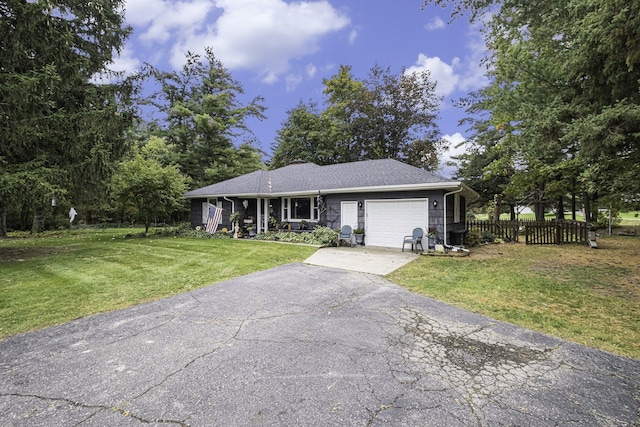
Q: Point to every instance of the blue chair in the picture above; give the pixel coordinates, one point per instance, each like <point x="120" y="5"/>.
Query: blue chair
<point x="346" y="234"/>
<point x="414" y="240"/>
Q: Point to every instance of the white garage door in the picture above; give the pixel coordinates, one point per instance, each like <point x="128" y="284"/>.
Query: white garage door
<point x="388" y="221"/>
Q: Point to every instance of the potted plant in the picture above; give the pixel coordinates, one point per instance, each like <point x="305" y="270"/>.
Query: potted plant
<point x="252" y="231"/>
<point x="358" y="233"/>
<point x="284" y="225"/>
<point x="273" y="222"/>
<point x="432" y="236"/>
<point x="303" y="225"/>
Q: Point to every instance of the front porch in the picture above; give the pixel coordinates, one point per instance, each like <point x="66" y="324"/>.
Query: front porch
<point x="259" y="214"/>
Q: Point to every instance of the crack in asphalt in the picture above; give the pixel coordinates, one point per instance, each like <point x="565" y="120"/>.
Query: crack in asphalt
<point x="98" y="409"/>
<point x="478" y="368"/>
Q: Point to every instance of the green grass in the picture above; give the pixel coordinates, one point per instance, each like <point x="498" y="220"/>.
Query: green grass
<point x="59" y="277"/>
<point x="630" y="218"/>
<point x="583" y="295"/>
<point x="589" y="296"/>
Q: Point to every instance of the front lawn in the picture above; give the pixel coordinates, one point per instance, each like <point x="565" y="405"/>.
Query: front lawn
<point x="588" y="296"/>
<point x="62" y="276"/>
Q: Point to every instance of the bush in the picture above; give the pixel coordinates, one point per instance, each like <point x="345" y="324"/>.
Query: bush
<point x="488" y="237"/>
<point x="321" y="236"/>
<point x="603" y="218"/>
<point x="186" y="231"/>
<point x="472" y="238"/>
<point x="324" y="236"/>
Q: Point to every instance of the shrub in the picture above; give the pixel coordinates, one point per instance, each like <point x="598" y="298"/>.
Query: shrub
<point x="200" y="232"/>
<point x="321" y="236"/>
<point x="488" y="237"/>
<point x="324" y="236"/>
<point x="472" y="238"/>
<point x="603" y="218"/>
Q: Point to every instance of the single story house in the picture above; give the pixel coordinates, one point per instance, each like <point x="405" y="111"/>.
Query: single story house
<point x="386" y="198"/>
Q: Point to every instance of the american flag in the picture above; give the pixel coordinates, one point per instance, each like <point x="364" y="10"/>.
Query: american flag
<point x="213" y="220"/>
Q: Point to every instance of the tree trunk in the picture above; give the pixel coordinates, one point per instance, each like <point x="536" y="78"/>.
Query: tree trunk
<point x="573" y="206"/>
<point x="38" y="220"/>
<point x="497" y="202"/>
<point x="3" y="220"/>
<point x="512" y="211"/>
<point x="586" y="207"/>
<point x="538" y="203"/>
<point x="560" y="208"/>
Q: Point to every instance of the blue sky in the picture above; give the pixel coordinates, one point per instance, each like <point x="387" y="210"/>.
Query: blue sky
<point x="282" y="50"/>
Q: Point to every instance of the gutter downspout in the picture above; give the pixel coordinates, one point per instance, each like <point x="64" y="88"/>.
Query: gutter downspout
<point x="233" y="204"/>
<point x="445" y="213"/>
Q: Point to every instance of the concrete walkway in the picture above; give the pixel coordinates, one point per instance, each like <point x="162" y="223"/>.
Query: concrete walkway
<point x="307" y="346"/>
<point x="381" y="261"/>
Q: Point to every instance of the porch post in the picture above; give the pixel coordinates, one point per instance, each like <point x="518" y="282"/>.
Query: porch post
<point x="259" y="209"/>
<point x="265" y="224"/>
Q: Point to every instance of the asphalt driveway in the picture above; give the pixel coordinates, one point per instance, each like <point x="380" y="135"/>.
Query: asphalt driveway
<point x="310" y="346"/>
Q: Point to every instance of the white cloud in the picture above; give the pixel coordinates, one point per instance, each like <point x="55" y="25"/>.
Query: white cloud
<point x="261" y="35"/>
<point x="292" y="81"/>
<point x="474" y="72"/>
<point x="435" y="24"/>
<point x="161" y="20"/>
<point x="126" y="62"/>
<point x="353" y="35"/>
<point x="462" y="74"/>
<point x="311" y="70"/>
<point x="442" y="73"/>
<point x="454" y="146"/>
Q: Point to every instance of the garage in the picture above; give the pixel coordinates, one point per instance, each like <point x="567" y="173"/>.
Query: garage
<point x="388" y="221"/>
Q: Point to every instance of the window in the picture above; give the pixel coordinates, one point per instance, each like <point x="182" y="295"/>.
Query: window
<point x="299" y="208"/>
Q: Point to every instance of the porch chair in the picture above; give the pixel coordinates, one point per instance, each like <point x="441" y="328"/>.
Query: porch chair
<point x="415" y="239"/>
<point x="346" y="235"/>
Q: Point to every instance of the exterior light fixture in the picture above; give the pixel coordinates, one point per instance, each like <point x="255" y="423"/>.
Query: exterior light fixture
<point x="245" y="203"/>
<point x="435" y="203"/>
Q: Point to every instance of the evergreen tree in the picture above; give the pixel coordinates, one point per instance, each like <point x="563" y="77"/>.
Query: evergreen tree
<point x="201" y="117"/>
<point x="62" y="133"/>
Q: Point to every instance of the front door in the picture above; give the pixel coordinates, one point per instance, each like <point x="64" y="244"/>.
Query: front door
<point x="349" y="214"/>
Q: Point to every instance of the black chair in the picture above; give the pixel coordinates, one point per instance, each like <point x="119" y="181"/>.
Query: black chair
<point x="415" y="239"/>
<point x="346" y="234"/>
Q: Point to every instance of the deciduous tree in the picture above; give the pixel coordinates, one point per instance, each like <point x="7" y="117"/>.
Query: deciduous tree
<point x="145" y="190"/>
<point x="383" y="116"/>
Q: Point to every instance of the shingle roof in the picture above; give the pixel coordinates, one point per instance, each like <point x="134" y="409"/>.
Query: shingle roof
<point x="311" y="178"/>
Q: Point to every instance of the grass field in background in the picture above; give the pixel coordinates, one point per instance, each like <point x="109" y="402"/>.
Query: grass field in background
<point x="588" y="296"/>
<point x="631" y="218"/>
<point x="62" y="276"/>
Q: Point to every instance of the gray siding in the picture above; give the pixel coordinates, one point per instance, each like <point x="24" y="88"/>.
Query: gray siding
<point x="196" y="212"/>
<point x="331" y="216"/>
